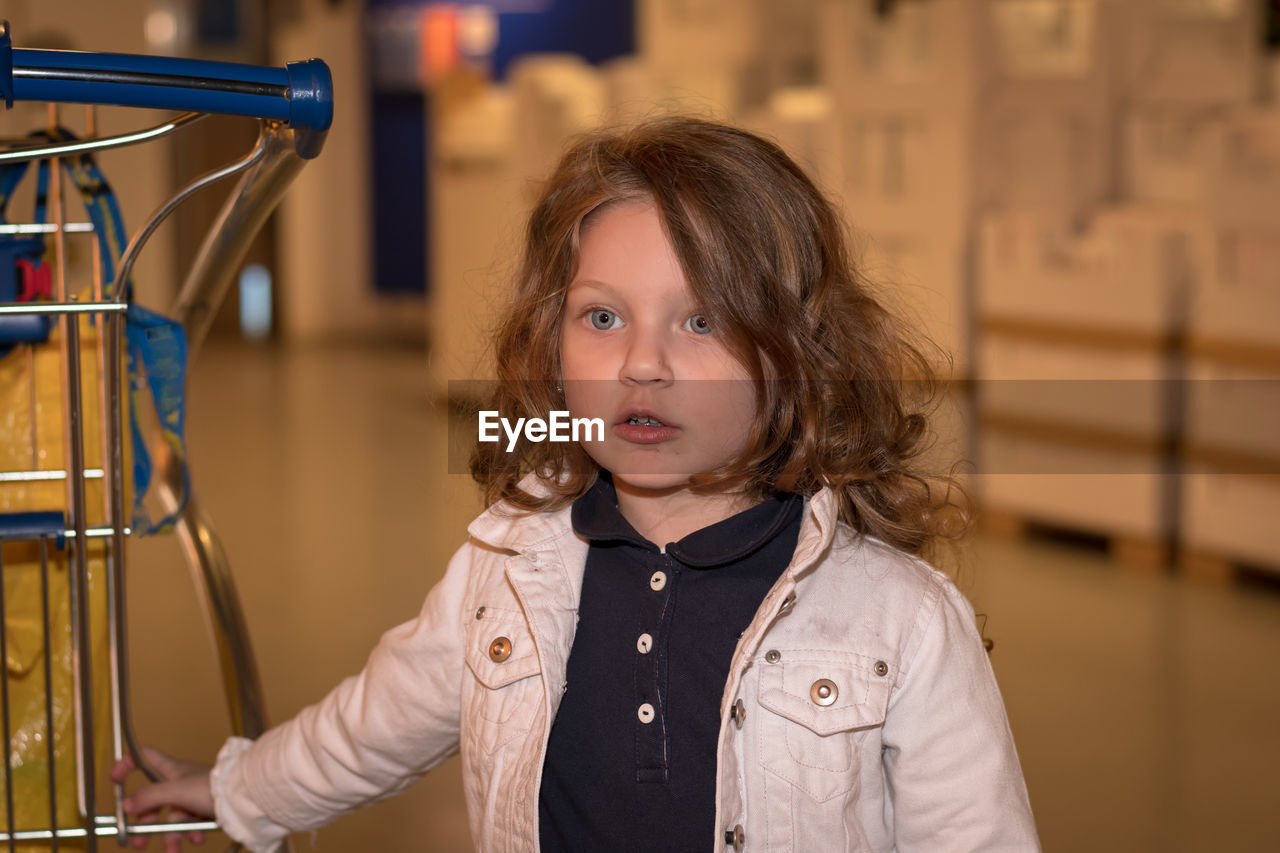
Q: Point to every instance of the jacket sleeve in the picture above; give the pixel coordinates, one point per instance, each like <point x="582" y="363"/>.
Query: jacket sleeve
<point x="369" y="738"/>
<point x="951" y="769"/>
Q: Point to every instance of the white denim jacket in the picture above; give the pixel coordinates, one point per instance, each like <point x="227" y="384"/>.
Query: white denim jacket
<point x="861" y="712"/>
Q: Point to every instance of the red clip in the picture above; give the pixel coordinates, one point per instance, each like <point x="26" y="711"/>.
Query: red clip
<point x="37" y="281"/>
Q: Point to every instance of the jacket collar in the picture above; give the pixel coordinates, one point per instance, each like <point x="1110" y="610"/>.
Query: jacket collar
<point x="509" y="528"/>
<point x="817" y="532"/>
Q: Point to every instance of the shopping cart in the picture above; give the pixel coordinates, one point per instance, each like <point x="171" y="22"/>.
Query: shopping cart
<point x="86" y="325"/>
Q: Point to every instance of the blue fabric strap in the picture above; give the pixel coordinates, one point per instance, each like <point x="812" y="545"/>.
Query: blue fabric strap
<point x="157" y="362"/>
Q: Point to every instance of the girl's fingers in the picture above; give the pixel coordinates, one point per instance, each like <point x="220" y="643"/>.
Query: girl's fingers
<point x="122" y="769"/>
<point x="140" y="841"/>
<point x="145" y="800"/>
<point x="183" y="786"/>
<point x="177" y="815"/>
<point x="161" y="762"/>
<point x="195" y="836"/>
<point x="172" y="840"/>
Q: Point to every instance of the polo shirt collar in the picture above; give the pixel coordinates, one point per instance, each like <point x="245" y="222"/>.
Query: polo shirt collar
<point x="596" y="517"/>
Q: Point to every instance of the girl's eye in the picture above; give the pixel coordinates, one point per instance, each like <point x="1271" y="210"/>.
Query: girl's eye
<point x="603" y="319"/>
<point x="699" y="323"/>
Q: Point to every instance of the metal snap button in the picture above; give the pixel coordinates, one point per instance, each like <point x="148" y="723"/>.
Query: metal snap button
<point x="499" y="650"/>
<point x="824" y="691"/>
<point x="645" y="713"/>
<point x="532" y="556"/>
<point x="735" y="837"/>
<point x="644" y="643"/>
<point x="773" y="656"/>
<point x="739" y="713"/>
<point x="882" y="668"/>
<point x="480" y="613"/>
<point x="658" y="581"/>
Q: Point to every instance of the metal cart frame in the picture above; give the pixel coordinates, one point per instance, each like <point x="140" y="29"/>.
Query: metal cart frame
<point x="294" y="106"/>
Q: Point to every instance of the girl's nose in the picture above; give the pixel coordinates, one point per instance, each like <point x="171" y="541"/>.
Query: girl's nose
<point x="646" y="360"/>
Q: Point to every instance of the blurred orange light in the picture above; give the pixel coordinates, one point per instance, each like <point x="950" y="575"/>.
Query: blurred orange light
<point x="440" y="53"/>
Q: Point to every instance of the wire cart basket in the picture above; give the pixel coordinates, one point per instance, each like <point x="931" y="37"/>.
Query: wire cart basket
<point x="62" y="600"/>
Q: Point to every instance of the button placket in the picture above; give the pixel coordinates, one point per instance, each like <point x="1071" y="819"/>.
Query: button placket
<point x="650" y="669"/>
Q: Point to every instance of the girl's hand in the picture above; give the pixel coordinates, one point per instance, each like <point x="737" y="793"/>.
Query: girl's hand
<point x="184" y="793"/>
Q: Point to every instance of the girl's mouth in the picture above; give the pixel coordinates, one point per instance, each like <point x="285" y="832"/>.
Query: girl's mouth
<point x="641" y="427"/>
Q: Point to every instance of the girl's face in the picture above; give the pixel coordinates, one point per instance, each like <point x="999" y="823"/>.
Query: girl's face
<point x="636" y="352"/>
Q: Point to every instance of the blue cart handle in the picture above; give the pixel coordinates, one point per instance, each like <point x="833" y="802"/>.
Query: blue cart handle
<point x="301" y="93"/>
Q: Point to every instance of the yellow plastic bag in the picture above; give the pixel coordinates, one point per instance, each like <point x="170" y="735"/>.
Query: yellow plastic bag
<point x="32" y="437"/>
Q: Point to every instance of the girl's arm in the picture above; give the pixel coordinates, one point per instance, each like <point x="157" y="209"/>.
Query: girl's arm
<point x="371" y="737"/>
<point x="949" y="759"/>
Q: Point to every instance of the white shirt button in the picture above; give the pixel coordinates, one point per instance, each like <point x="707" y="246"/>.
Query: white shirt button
<point x="645" y="713"/>
<point x="644" y="643"/>
<point x="658" y="581"/>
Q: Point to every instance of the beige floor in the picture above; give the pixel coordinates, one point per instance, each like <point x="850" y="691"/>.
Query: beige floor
<point x="1146" y="710"/>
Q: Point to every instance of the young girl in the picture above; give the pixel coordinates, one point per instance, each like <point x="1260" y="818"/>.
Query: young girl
<point x="706" y="628"/>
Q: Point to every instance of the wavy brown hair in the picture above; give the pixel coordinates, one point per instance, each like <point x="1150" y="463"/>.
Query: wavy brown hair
<point x="844" y="390"/>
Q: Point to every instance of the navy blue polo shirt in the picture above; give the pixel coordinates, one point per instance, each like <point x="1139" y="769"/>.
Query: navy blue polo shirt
<point x="631" y="762"/>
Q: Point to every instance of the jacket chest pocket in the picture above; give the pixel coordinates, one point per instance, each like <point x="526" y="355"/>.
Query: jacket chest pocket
<point x="817" y="717"/>
<point x="506" y="695"/>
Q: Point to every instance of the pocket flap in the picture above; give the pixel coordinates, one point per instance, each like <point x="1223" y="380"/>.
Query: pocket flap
<point x="499" y="648"/>
<point x="860" y="698"/>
